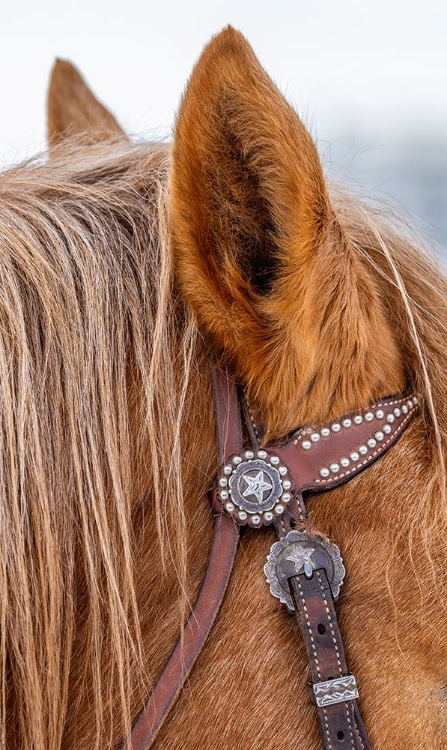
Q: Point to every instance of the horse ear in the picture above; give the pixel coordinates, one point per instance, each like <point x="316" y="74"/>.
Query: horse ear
<point x="259" y="255"/>
<point x="72" y="109"/>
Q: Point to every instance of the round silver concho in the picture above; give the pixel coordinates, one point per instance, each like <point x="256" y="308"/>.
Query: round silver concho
<point x="255" y="488"/>
<point x="297" y="553"/>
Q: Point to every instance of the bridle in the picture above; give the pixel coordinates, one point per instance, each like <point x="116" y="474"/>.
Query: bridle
<point x="263" y="486"/>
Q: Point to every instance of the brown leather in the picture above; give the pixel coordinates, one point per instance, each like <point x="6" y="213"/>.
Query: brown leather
<point x="212" y="592"/>
<point x="315" y="612"/>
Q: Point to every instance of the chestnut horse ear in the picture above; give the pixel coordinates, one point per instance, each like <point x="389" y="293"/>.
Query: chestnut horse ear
<point x="72" y="109"/>
<point x="259" y="255"/>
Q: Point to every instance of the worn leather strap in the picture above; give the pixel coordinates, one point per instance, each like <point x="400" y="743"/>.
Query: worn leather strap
<point x="341" y="724"/>
<point x="212" y="592"/>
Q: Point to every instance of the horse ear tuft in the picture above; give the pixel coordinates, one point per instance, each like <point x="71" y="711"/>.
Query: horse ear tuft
<point x="72" y="109"/>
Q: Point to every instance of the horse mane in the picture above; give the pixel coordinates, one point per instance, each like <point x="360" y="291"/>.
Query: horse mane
<point x="97" y="357"/>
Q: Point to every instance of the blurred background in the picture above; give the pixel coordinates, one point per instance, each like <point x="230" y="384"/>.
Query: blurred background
<point x="368" y="79"/>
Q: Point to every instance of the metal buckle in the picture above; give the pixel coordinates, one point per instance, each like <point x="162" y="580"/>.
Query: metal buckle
<point x="297" y="553"/>
<point x="337" y="690"/>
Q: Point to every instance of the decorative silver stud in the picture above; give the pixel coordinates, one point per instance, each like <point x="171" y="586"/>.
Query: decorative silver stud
<point x="286" y="484"/>
<point x="315" y="437"/>
<point x="336" y="427"/>
<point x="410" y="403"/>
<point x="369" y="416"/>
<point x="268" y="516"/>
<point x="282" y="470"/>
<point x="262" y="455"/>
<point x="390" y="418"/>
<point x="354" y="456"/>
<point x="256" y="520"/>
<point x="325" y="431"/>
<point x="414" y="400"/>
<point x="380" y="414"/>
<point x="222" y="482"/>
<point x="334" y="468"/>
<point x="324" y="473"/>
<point x="344" y="462"/>
<point x="242" y="515"/>
<point x="363" y="450"/>
<point x="347" y="423"/>
<point x="237" y="460"/>
<point x="358" y="419"/>
<point x="404" y="409"/>
<point x="224" y="495"/>
<point x="229" y="507"/>
<point x="274" y="460"/>
<point x="397" y="412"/>
<point x="249" y="455"/>
<point x="379" y="435"/>
<point x="228" y="469"/>
<point x="387" y="429"/>
<point x="306" y="445"/>
<point x="371" y="443"/>
<point x="279" y="510"/>
<point x="286" y="498"/>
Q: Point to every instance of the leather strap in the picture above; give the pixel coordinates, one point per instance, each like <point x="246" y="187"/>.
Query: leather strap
<point x="340" y="722"/>
<point x="212" y="592"/>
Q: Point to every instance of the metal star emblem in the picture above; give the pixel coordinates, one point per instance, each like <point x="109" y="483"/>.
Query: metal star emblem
<point x="256" y="486"/>
<point x="301" y="558"/>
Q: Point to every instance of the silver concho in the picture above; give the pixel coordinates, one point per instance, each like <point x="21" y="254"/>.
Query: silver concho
<point x="297" y="553"/>
<point x="254" y="488"/>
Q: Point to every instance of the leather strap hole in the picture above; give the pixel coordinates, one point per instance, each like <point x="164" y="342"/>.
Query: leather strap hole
<point x="321" y="628"/>
<point x="340" y="735"/>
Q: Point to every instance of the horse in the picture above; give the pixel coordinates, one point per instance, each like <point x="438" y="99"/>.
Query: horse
<point x="129" y="270"/>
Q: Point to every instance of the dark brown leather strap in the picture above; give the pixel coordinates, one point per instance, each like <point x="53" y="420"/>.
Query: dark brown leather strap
<point x="212" y="592"/>
<point x="316" y="616"/>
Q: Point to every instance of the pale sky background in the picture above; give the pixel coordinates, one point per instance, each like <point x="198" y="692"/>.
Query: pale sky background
<point x="369" y="79"/>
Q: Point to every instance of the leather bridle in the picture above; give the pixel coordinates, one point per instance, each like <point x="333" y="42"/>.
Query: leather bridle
<point x="261" y="486"/>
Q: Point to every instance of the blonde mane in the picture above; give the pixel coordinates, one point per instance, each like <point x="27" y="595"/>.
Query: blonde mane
<point x="98" y="359"/>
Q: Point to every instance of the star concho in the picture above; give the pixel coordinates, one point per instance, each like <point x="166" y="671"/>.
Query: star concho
<point x="254" y="488"/>
<point x="301" y="553"/>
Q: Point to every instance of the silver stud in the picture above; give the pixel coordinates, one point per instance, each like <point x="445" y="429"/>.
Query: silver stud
<point x="242" y="515"/>
<point x="286" y="484"/>
<point x="262" y="454"/>
<point x="387" y="429"/>
<point x="222" y="482"/>
<point x="315" y="437"/>
<point x="404" y="409"/>
<point x="363" y="450"/>
<point x="335" y="427"/>
<point x="369" y="416"/>
<point x="379" y="435"/>
<point x="414" y="400"/>
<point x="228" y="469"/>
<point x="249" y="455"/>
<point x="410" y="403"/>
<point x="325" y="431"/>
<point x="390" y="418"/>
<point x="279" y="510"/>
<point x="371" y="443"/>
<point x="334" y="468"/>
<point x="380" y="414"/>
<point x="397" y="412"/>
<point x="306" y="445"/>
<point x="324" y="473"/>
<point x="274" y="460"/>
<point x="268" y="516"/>
<point x="347" y="423"/>
<point x="283" y="470"/>
<point x="224" y="495"/>
<point x="354" y="456"/>
<point x="286" y="498"/>
<point x="344" y="462"/>
<point x="237" y="460"/>
<point x="255" y="520"/>
<point x="229" y="507"/>
<point x="358" y="419"/>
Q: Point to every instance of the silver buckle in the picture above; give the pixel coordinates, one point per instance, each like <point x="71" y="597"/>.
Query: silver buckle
<point x="338" y="690"/>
